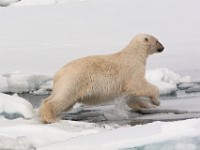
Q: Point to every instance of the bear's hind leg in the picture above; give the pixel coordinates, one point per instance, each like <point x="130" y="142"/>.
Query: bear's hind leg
<point x="52" y="107"/>
<point x="46" y="112"/>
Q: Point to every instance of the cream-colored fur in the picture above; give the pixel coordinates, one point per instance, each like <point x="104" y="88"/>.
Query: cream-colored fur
<point x="97" y="79"/>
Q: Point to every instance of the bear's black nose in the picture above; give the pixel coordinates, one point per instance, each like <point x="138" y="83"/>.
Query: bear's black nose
<point x="160" y="49"/>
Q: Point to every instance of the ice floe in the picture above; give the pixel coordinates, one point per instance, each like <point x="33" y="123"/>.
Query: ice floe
<point x="13" y="107"/>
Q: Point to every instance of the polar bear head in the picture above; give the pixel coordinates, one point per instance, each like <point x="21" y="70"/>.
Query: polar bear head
<point x="148" y="43"/>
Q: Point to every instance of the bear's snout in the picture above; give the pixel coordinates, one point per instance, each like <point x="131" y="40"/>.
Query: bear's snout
<point x="160" y="47"/>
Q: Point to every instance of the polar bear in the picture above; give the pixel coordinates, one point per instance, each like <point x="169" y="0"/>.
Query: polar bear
<point x="97" y="79"/>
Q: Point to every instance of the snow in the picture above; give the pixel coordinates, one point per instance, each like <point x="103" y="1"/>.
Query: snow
<point x="133" y="136"/>
<point x="29" y="2"/>
<point x="35" y="2"/>
<point x="180" y="144"/>
<point x="80" y="135"/>
<point x="13" y="106"/>
<point x="43" y="35"/>
<point x="7" y="2"/>
<point x="165" y="79"/>
<point x="32" y="133"/>
<point x="19" y="83"/>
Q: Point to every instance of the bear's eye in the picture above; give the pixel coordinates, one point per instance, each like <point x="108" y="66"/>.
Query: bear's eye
<point x="146" y="39"/>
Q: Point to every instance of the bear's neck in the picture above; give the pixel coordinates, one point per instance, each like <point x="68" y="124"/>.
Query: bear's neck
<point x="135" y="53"/>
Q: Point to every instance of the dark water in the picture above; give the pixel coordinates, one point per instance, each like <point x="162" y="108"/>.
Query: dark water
<point x="35" y="100"/>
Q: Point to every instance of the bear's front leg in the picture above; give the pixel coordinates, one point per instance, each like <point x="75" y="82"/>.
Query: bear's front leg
<point x="154" y="94"/>
<point x="139" y="103"/>
<point x="143" y="88"/>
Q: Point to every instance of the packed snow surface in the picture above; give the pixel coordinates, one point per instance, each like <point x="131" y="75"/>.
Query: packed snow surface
<point x="179" y="144"/>
<point x="133" y="136"/>
<point x="27" y="134"/>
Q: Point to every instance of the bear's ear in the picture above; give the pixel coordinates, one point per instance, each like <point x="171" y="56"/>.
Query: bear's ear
<point x="146" y="39"/>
